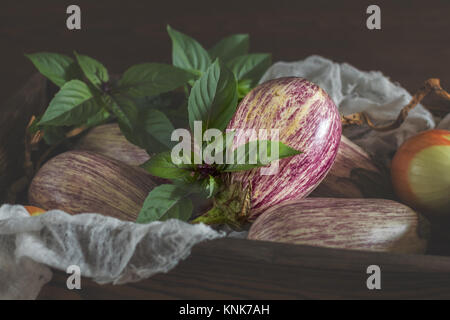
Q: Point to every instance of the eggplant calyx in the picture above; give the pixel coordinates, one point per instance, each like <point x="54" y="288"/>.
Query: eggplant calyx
<point x="231" y="206"/>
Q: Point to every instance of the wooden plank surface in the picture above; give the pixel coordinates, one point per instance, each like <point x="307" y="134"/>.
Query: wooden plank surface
<point x="245" y="269"/>
<point x="413" y="45"/>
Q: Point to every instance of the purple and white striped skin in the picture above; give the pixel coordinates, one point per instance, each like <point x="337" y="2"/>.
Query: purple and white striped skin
<point x="356" y="224"/>
<point x="354" y="174"/>
<point x="308" y="120"/>
<point x="108" y="140"/>
<point x="84" y="181"/>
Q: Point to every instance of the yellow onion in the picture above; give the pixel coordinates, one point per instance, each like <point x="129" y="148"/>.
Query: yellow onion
<point x="421" y="173"/>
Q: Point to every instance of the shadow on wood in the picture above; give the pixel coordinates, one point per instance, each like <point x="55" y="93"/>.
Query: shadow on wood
<point x="244" y="269"/>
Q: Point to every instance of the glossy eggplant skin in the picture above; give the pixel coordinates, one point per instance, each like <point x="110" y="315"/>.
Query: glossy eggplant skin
<point x="307" y="120"/>
<point x="86" y="182"/>
<point x="358" y="224"/>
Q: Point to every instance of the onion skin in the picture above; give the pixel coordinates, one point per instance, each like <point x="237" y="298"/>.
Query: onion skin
<point x="420" y="173"/>
<point x="356" y="224"/>
<point x="86" y="182"/>
<point x="108" y="140"/>
<point x="354" y="175"/>
<point x="308" y="120"/>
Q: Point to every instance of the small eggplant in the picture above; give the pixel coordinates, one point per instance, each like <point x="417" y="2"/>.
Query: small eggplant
<point x="354" y="174"/>
<point x="358" y="224"/>
<point x="107" y="140"/>
<point x="83" y="182"/>
<point x="307" y="120"/>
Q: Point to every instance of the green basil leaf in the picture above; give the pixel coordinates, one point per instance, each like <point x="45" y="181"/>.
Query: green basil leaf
<point x="187" y="53"/>
<point x="181" y="211"/>
<point x="166" y="201"/>
<point x="99" y="118"/>
<point x="230" y="47"/>
<point x="124" y="109"/>
<point x="159" y="126"/>
<point x="147" y="128"/>
<point x="250" y="66"/>
<point x="193" y="186"/>
<point x="212" y="186"/>
<point x="244" y="87"/>
<point x="243" y="155"/>
<point x="94" y="71"/>
<point x="213" y="98"/>
<point x="128" y="116"/>
<point x="161" y="165"/>
<point x="56" y="67"/>
<point x="173" y="104"/>
<point x="222" y="145"/>
<point x="164" y="101"/>
<point x="72" y="105"/>
<point x="151" y="79"/>
<point x="54" y="135"/>
<point x="226" y="141"/>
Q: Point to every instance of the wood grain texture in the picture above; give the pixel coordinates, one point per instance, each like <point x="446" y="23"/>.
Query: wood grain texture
<point x="412" y="45"/>
<point x="243" y="269"/>
<point x="30" y="99"/>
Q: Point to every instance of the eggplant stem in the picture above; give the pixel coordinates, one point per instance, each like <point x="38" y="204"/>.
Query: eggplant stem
<point x="229" y="208"/>
<point x="361" y="118"/>
<point x="215" y="216"/>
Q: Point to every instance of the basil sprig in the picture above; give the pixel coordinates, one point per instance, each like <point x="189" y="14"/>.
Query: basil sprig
<point x="214" y="80"/>
<point x="233" y="51"/>
<point x="212" y="101"/>
<point x="88" y="96"/>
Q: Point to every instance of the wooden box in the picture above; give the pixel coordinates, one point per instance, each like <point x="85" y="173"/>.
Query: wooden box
<point x="238" y="268"/>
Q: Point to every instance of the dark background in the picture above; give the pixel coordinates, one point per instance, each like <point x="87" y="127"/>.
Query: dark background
<point x="413" y="44"/>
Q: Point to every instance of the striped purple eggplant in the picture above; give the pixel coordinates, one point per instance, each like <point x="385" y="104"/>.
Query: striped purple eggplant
<point x="357" y="224"/>
<point x="108" y="140"/>
<point x="307" y="120"/>
<point x="354" y="174"/>
<point x="83" y="182"/>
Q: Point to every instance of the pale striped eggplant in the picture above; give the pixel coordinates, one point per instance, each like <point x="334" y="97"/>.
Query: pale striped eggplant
<point x="307" y="120"/>
<point x="357" y="224"/>
<point x="86" y="182"/>
<point x="108" y="140"/>
<point x="354" y="174"/>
